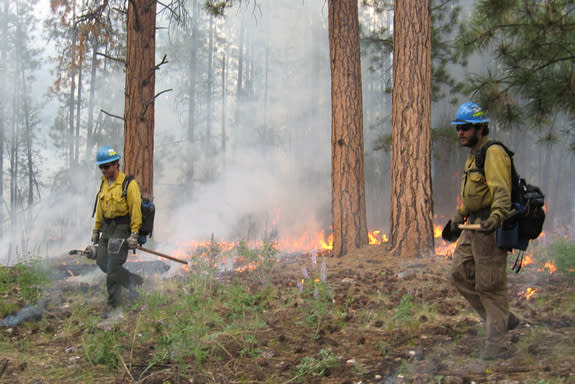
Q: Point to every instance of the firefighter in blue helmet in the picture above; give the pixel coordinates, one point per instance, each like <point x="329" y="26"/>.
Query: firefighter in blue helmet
<point x="117" y="221"/>
<point x="479" y="265"/>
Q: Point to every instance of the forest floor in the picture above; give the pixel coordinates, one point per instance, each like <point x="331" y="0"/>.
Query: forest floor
<point x="363" y="318"/>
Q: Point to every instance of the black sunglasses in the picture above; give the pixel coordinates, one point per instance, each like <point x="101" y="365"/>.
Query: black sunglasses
<point x="463" y="127"/>
<point x="105" y="166"/>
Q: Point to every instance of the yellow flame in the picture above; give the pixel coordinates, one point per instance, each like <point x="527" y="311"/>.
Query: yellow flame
<point x="550" y="267"/>
<point x="437" y="231"/>
<point x="529" y="292"/>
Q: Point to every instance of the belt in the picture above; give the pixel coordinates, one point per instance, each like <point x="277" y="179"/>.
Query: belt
<point x="482" y="214"/>
<point x="118" y="220"/>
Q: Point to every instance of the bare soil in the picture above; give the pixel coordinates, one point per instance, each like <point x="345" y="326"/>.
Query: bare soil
<point x="441" y="346"/>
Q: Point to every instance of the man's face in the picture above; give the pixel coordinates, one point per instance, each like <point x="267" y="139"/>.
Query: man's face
<point x="467" y="134"/>
<point x="109" y="170"/>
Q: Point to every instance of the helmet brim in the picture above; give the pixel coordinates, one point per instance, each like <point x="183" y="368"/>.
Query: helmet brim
<point x="474" y="122"/>
<point x="107" y="161"/>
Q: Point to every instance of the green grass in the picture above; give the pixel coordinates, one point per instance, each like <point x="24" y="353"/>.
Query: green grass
<point x="562" y="252"/>
<point x="21" y="284"/>
<point x="185" y="323"/>
<point x="315" y="365"/>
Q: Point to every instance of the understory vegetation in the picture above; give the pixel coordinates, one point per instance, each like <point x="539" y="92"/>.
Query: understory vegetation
<point x="304" y="319"/>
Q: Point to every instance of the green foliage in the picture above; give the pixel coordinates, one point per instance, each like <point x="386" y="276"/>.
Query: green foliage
<point x="206" y="310"/>
<point x="217" y="7"/>
<point x="103" y="347"/>
<point x="263" y="259"/>
<point x="383" y="143"/>
<point x="531" y="42"/>
<point x="316" y="298"/>
<point x="316" y="366"/>
<point x="25" y="280"/>
<point x="562" y="252"/>
<point x="405" y="312"/>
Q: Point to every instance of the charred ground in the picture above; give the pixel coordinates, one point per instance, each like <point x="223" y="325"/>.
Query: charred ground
<point x="364" y="318"/>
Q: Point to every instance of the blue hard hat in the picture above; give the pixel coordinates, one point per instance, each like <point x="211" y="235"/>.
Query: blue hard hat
<point x="470" y="113"/>
<point x="106" y="154"/>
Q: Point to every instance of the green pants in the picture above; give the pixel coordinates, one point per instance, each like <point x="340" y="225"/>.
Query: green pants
<point x="111" y="255"/>
<point x="479" y="274"/>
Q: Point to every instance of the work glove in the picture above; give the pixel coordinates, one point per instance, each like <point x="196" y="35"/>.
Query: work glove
<point x="451" y="230"/>
<point x="133" y="240"/>
<point x="490" y="224"/>
<point x="95" y="237"/>
<point x="456" y="221"/>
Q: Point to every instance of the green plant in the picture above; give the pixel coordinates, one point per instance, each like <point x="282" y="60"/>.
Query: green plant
<point x="437" y="379"/>
<point x="384" y="348"/>
<point x="315" y="366"/>
<point x="404" y="313"/>
<point x="317" y="298"/>
<point x="562" y="252"/>
<point x="103" y="347"/>
<point x="21" y="282"/>
<point x="406" y="369"/>
<point x="260" y="260"/>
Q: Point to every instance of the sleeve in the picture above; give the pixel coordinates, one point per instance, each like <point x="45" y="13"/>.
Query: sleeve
<point x="134" y="200"/>
<point x="498" y="177"/>
<point x="99" y="218"/>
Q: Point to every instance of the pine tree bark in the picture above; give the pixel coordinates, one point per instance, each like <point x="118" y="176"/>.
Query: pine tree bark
<point x="140" y="93"/>
<point x="348" y="184"/>
<point x="411" y="194"/>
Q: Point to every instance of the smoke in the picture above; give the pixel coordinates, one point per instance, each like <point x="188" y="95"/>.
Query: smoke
<point x="257" y="167"/>
<point x="258" y="197"/>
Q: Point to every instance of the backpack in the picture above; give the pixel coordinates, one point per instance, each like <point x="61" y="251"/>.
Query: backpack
<point x="148" y="211"/>
<point x="526" y="218"/>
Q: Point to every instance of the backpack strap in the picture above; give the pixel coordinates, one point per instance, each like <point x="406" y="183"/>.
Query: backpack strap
<point x="124" y="190"/>
<point x="96" y="201"/>
<point x="125" y="184"/>
<point x="480" y="156"/>
<point x="516" y="180"/>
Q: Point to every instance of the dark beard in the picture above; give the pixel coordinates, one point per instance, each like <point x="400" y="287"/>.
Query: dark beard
<point x="472" y="141"/>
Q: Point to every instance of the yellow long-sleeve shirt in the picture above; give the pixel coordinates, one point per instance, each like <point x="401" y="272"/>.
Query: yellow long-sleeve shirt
<point x="112" y="204"/>
<point x="490" y="190"/>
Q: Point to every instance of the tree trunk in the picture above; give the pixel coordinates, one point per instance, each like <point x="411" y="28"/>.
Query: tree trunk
<point x="210" y="87"/>
<point x="91" y="101"/>
<point x="223" y="112"/>
<point x="78" y="116"/>
<point x="71" y="110"/>
<point x="411" y="195"/>
<point x="140" y="88"/>
<point x="240" y="81"/>
<point x="192" y="77"/>
<point x="72" y="100"/>
<point x="348" y="186"/>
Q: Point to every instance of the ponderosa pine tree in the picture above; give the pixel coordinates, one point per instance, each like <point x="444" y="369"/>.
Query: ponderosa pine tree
<point x="411" y="226"/>
<point x="348" y="184"/>
<point x="140" y="94"/>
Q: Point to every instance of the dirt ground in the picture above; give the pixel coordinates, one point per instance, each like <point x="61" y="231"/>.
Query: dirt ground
<point x="443" y="346"/>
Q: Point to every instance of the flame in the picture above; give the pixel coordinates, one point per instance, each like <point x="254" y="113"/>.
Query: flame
<point x="527" y="259"/>
<point x="528" y="293"/>
<point x="375" y="238"/>
<point x="304" y="243"/>
<point x="549" y="266"/>
<point x="437" y="231"/>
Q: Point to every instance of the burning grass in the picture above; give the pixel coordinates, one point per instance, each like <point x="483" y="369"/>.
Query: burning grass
<point x="237" y="314"/>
